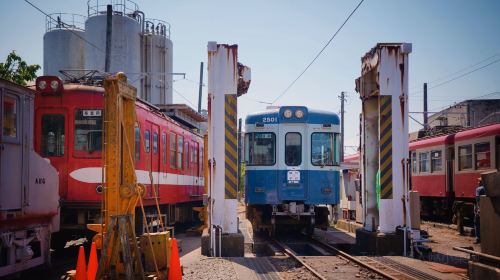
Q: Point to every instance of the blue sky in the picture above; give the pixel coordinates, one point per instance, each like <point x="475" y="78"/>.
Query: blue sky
<point x="277" y="39"/>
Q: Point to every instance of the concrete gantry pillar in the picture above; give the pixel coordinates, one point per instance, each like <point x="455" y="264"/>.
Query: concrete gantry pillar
<point x="227" y="79"/>
<point x="383" y="88"/>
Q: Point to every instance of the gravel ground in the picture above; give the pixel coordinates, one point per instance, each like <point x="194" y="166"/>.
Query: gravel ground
<point x="289" y="269"/>
<point x="210" y="268"/>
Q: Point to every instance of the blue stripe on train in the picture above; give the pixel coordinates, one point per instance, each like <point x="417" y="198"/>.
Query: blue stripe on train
<point x="314" y="187"/>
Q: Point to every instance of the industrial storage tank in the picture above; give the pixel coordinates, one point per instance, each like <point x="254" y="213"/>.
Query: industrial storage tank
<point x="157" y="62"/>
<point x="127" y="25"/>
<point x="63" y="43"/>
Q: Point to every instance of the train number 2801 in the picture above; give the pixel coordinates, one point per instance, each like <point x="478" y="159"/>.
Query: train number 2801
<point x="269" y="119"/>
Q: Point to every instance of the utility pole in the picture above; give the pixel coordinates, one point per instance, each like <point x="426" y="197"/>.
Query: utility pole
<point x="342" y="101"/>
<point x="109" y="28"/>
<point x="200" y="87"/>
<point x="426" y="120"/>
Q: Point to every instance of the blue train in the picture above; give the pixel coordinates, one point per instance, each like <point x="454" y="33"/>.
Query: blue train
<point x="292" y="168"/>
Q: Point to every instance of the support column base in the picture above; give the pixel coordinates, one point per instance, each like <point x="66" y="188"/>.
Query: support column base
<point x="232" y="244"/>
<point x="375" y="243"/>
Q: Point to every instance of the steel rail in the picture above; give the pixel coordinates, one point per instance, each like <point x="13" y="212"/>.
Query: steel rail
<point x="295" y="257"/>
<point x="358" y="261"/>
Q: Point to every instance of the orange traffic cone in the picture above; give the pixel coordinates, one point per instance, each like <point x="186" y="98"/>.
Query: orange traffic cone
<point x="81" y="267"/>
<point x="93" y="263"/>
<point x="174" y="272"/>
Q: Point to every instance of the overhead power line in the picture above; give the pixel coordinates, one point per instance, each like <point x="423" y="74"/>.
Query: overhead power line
<point x="320" y="52"/>
<point x="63" y="25"/>
<point x="181" y="95"/>
<point x="463" y="74"/>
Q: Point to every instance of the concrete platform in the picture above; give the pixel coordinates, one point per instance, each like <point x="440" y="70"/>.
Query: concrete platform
<point x="348" y="225"/>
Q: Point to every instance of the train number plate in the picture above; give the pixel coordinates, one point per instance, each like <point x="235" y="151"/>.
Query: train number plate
<point x="293" y="176"/>
<point x="92" y="113"/>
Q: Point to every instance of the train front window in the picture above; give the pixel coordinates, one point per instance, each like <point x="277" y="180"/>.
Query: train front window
<point x="260" y="148"/>
<point x="52" y="135"/>
<point x="436" y="161"/>
<point x="88" y="130"/>
<point x="465" y="157"/>
<point x="423" y="159"/>
<point x="482" y="155"/>
<point x="324" y="150"/>
<point x="293" y="149"/>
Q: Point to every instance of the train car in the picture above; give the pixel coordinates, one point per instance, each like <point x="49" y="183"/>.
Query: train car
<point x="292" y="167"/>
<point x="29" y="190"/>
<point x="445" y="169"/>
<point x="68" y="132"/>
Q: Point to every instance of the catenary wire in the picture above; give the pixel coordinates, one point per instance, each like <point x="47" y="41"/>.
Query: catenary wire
<point x="320" y="52"/>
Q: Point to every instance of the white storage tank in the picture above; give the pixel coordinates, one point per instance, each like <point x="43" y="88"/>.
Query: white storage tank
<point x="63" y="44"/>
<point x="125" y="39"/>
<point x="157" y="62"/>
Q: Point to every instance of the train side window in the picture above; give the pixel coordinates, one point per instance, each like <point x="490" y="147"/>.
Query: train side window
<point x="260" y="148"/>
<point x="147" y="141"/>
<point x="414" y="162"/>
<point x="52" y="135"/>
<point x="324" y="149"/>
<point x="293" y="149"/>
<point x="164" y="147"/>
<point x="10" y="119"/>
<point x="137" y="142"/>
<point x="173" y="150"/>
<point x="188" y="151"/>
<point x="180" y="151"/>
<point x="482" y="155"/>
<point x="465" y="157"/>
<point x="436" y="161"/>
<point x="88" y="131"/>
<point x="423" y="159"/>
<point x="155" y="142"/>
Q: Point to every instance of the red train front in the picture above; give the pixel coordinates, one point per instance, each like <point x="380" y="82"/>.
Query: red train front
<point x="445" y="169"/>
<point x="68" y="132"/>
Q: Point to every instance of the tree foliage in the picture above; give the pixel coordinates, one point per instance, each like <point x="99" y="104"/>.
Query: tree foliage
<point x="17" y="70"/>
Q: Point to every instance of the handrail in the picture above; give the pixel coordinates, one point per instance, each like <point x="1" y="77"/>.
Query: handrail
<point x="65" y="21"/>
<point x="482" y="255"/>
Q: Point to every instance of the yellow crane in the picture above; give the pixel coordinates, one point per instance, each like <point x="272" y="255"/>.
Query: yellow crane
<point x="120" y="253"/>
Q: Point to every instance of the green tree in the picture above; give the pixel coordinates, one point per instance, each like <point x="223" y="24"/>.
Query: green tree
<point x="17" y="70"/>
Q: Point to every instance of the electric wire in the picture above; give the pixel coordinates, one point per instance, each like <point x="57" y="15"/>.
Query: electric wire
<point x="181" y="95"/>
<point x="320" y="52"/>
<point x="64" y="26"/>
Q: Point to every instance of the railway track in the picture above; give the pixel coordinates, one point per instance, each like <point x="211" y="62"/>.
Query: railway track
<point x="327" y="262"/>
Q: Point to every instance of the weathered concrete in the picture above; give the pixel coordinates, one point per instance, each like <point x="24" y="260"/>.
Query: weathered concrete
<point x="232" y="244"/>
<point x="490" y="226"/>
<point x="349" y="226"/>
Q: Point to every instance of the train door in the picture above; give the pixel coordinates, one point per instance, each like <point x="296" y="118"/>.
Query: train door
<point x="449" y="170"/>
<point x="292" y="178"/>
<point x="51" y="129"/>
<point x="11" y="152"/>
<point x="152" y="158"/>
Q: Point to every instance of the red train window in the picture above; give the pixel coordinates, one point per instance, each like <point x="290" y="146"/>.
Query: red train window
<point x="424" y="161"/>
<point x="147" y="141"/>
<point x="436" y="161"/>
<point x="155" y="142"/>
<point x="482" y="155"/>
<point x="164" y="147"/>
<point x="137" y="142"/>
<point x="173" y="150"/>
<point x="465" y="157"/>
<point x="52" y="135"/>
<point x="180" y="151"/>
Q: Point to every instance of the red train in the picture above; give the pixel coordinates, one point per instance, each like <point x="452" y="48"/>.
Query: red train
<point x="445" y="169"/>
<point x="68" y="132"/>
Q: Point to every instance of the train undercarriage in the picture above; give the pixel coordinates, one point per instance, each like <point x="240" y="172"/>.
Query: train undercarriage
<point x="288" y="216"/>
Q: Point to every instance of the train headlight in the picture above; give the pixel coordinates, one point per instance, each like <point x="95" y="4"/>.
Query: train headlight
<point x="54" y="85"/>
<point x="42" y="85"/>
<point x="287" y="113"/>
<point x="99" y="189"/>
<point x="299" y="114"/>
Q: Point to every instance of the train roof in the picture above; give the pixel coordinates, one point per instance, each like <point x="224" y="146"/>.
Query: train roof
<point x="16" y="87"/>
<point x="483" y="131"/>
<point x="276" y="115"/>
<point x="429" y="142"/>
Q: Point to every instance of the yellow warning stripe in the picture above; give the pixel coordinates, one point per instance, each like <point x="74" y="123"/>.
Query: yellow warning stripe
<point x="385" y="149"/>
<point x="231" y="145"/>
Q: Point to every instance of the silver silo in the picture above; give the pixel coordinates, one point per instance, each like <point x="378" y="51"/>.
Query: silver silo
<point x="157" y="62"/>
<point x="127" y="25"/>
<point x="63" y="43"/>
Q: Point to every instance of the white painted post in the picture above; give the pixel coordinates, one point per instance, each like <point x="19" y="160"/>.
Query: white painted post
<point x="222" y="81"/>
